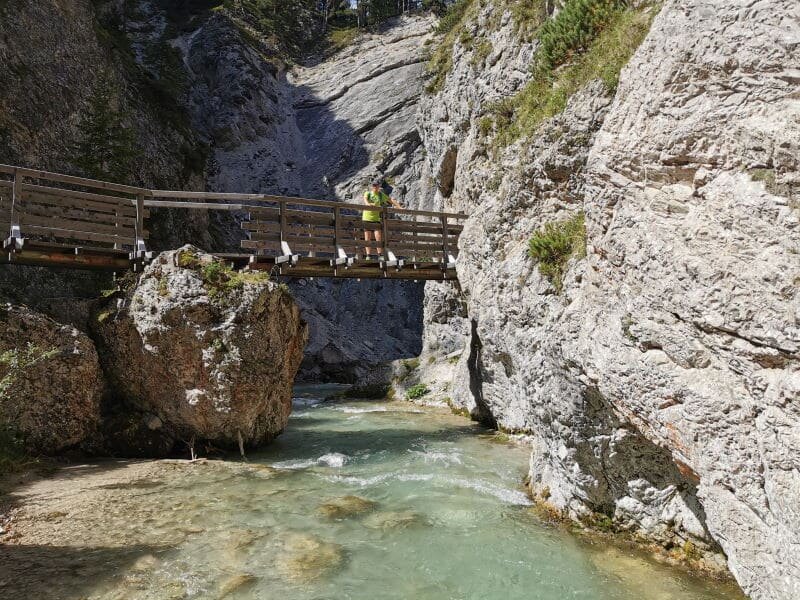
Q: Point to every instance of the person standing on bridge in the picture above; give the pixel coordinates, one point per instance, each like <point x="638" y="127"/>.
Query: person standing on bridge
<point x="375" y="196"/>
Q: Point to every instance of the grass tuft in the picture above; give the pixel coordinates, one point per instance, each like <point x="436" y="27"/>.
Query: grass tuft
<point x="555" y="244"/>
<point x="341" y="38"/>
<point x="417" y="391"/>
<point x="451" y="27"/>
<point x="588" y="40"/>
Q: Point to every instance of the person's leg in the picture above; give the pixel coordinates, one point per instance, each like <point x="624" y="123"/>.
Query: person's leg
<point x="367" y="238"/>
<point x="379" y="238"/>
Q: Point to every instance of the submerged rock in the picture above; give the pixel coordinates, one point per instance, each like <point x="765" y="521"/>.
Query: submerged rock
<point x="208" y="353"/>
<point x="236" y="583"/>
<point x="308" y="558"/>
<point x="346" y="506"/>
<point x="394" y="520"/>
<point x="50" y="381"/>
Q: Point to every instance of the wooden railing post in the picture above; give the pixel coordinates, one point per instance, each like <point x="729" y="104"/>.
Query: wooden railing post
<point x="139" y="247"/>
<point x="282" y="225"/>
<point x="16" y="202"/>
<point x="445" y="251"/>
<point x="385" y="228"/>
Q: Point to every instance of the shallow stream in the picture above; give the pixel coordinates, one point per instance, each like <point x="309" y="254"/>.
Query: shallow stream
<point x="357" y="500"/>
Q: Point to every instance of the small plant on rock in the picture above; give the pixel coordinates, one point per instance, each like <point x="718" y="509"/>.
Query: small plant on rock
<point x="555" y="244"/>
<point x="417" y="391"/>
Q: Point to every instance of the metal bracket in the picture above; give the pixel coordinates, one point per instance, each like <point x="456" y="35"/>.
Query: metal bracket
<point x="287" y="256"/>
<point x="391" y="260"/>
<point x="341" y="258"/>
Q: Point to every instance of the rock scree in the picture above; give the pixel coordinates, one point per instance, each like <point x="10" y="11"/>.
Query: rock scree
<point x="204" y="352"/>
<point x="50" y="381"/>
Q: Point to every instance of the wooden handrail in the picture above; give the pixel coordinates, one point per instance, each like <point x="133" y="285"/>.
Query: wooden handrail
<point x="50" y="212"/>
<point x="151" y="195"/>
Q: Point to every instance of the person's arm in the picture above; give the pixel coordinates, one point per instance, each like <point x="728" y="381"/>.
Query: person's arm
<point x="395" y="203"/>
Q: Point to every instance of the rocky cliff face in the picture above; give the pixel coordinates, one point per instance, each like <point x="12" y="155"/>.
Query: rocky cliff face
<point x="212" y="105"/>
<point x="319" y="131"/>
<point x="661" y="383"/>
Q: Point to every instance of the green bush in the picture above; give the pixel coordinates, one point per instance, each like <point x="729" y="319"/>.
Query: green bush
<point x="451" y="26"/>
<point x="453" y="17"/>
<point x="417" y="391"/>
<point x="572" y="30"/>
<point x="555" y="244"/>
<point x="596" y="44"/>
<point x="341" y="38"/>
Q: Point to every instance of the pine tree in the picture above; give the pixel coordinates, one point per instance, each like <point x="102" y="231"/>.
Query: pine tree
<point x="106" y="148"/>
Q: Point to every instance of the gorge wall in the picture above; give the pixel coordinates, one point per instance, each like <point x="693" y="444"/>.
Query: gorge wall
<point x="214" y="105"/>
<point x="660" y="377"/>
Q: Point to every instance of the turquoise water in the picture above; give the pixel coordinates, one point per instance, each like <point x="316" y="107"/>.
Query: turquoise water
<point x="362" y="500"/>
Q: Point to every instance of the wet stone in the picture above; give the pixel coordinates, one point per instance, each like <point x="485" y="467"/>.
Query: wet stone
<point x="346" y="506"/>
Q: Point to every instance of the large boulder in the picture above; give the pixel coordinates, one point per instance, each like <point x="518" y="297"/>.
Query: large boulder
<point x="50" y="381"/>
<point x="208" y="353"/>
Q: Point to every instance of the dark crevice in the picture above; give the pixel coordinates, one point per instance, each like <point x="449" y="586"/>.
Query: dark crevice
<point x="711" y="329"/>
<point x="481" y="412"/>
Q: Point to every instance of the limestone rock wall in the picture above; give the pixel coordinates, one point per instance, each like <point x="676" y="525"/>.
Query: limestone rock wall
<point x="210" y="353"/>
<point x="660" y="385"/>
<point x="50" y="382"/>
<point x="318" y="131"/>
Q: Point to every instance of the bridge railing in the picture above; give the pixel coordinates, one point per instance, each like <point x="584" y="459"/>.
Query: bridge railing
<point x="49" y="213"/>
<point x="52" y="218"/>
<point x="283" y="226"/>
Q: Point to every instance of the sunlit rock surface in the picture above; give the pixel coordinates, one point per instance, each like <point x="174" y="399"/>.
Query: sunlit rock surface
<point x="660" y="386"/>
<point x="50" y="381"/>
<point x="210" y="353"/>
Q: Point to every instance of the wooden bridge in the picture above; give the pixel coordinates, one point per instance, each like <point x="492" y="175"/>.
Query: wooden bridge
<point x="63" y="221"/>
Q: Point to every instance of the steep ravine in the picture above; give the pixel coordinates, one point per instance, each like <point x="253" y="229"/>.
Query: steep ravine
<point x="661" y="384"/>
<point x="320" y="131"/>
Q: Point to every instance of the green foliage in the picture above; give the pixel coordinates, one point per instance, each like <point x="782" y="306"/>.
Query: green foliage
<point x="571" y="31"/>
<point x="451" y="27"/>
<point x="106" y="147"/>
<point x="691" y="551"/>
<point x="481" y="50"/>
<point x="341" y="38"/>
<point x="417" y="391"/>
<point x="188" y="259"/>
<point x="221" y="279"/>
<point x="288" y="23"/>
<point x="597" y="37"/>
<point x="601" y="522"/>
<point x="555" y="244"/>
<point x="528" y="16"/>
<point x="411" y="364"/>
<point x="13" y="364"/>
<point x="454" y="16"/>
<point x="770" y="180"/>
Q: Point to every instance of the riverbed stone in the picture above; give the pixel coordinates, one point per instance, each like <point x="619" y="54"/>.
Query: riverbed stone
<point x="393" y="520"/>
<point x="346" y="506"/>
<point x="308" y="558"/>
<point x="209" y="352"/>
<point x="50" y="381"/>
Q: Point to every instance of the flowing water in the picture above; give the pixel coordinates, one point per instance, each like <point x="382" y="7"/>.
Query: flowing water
<point x="356" y="500"/>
